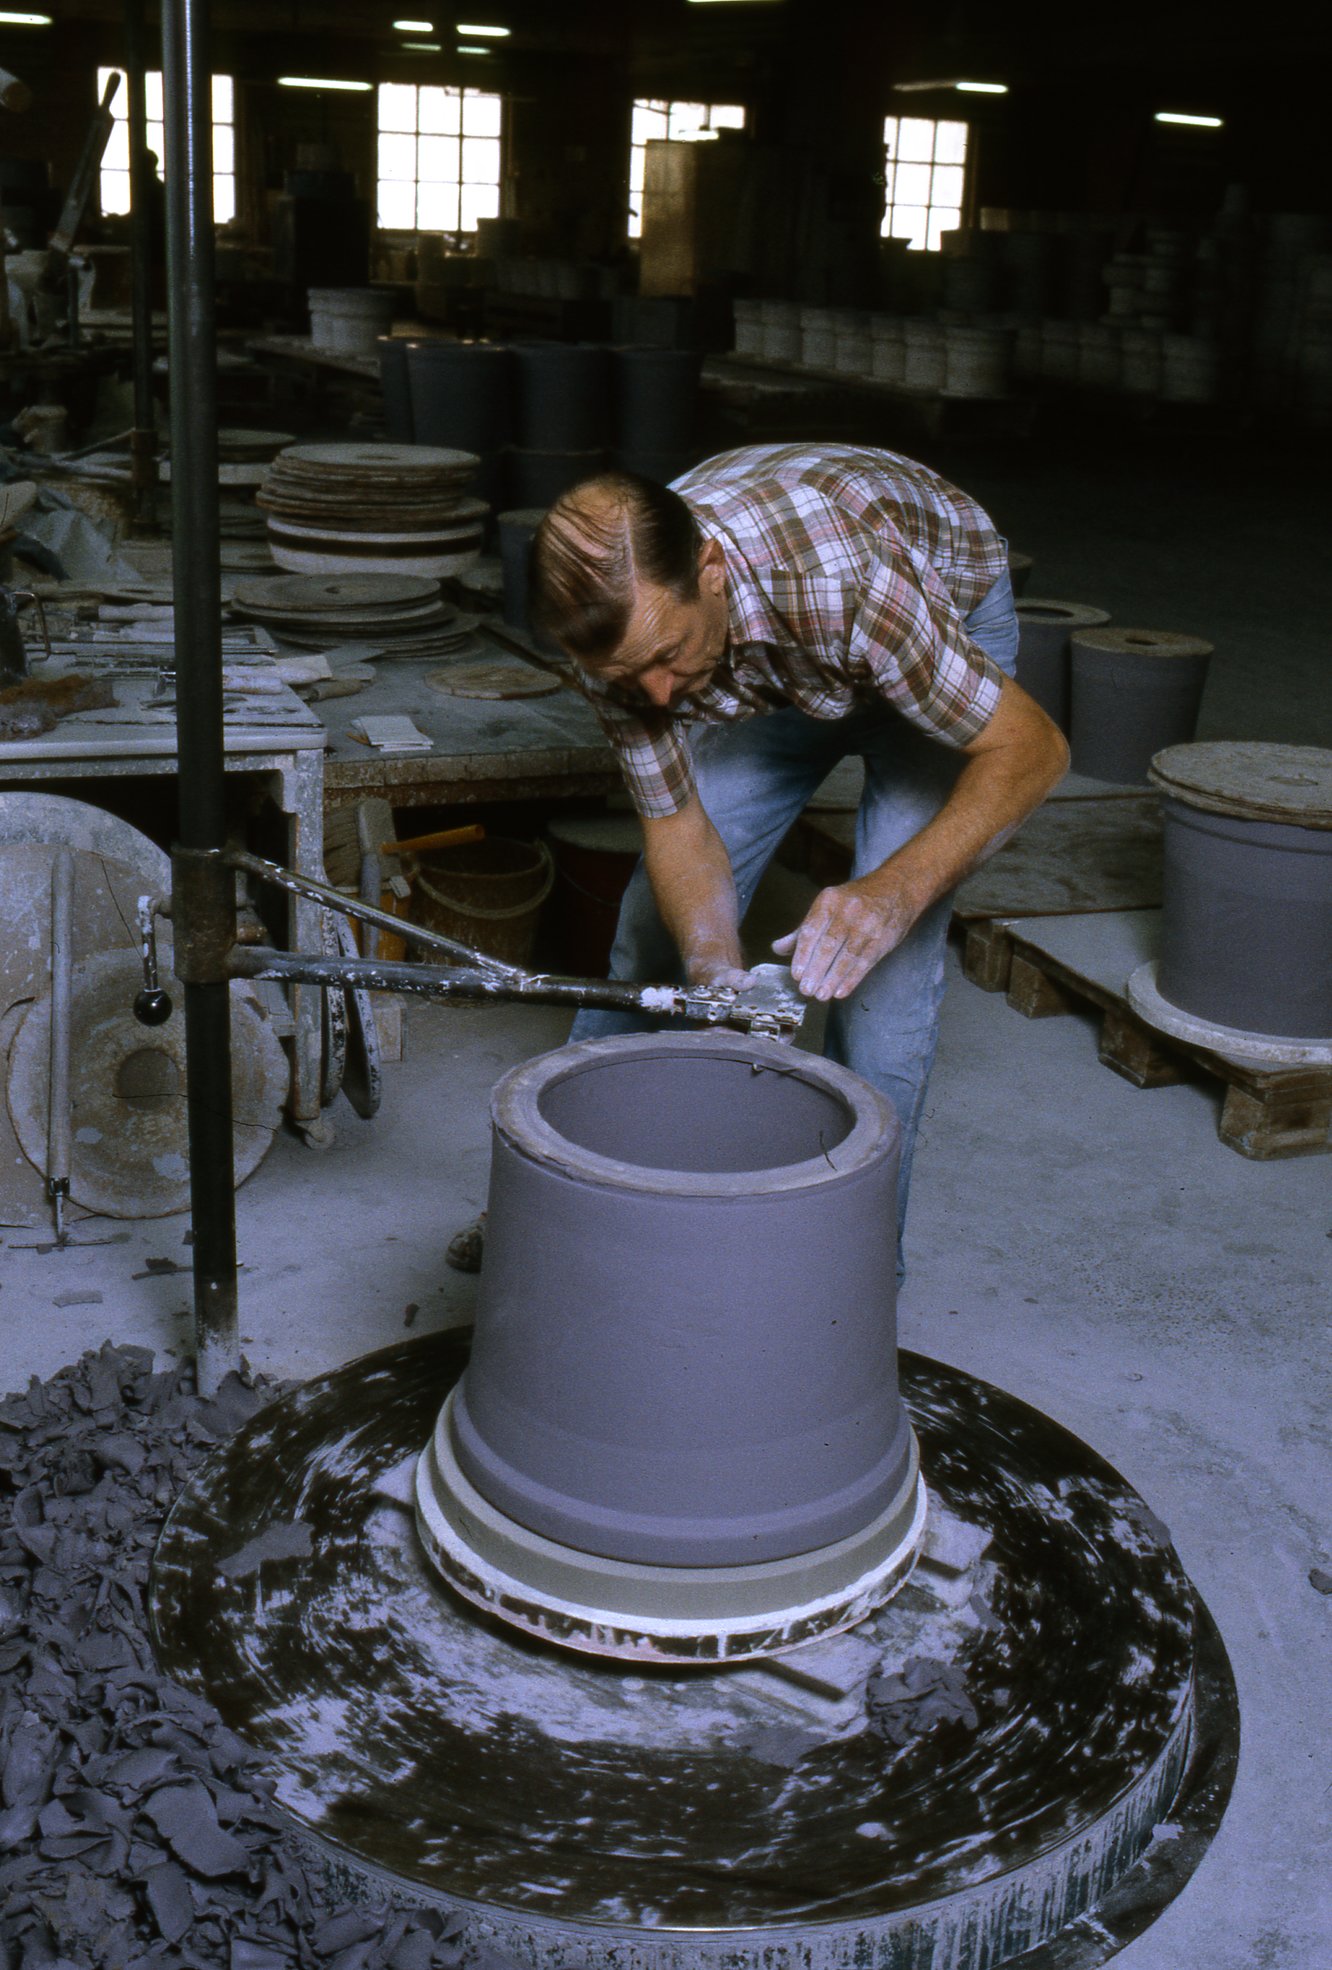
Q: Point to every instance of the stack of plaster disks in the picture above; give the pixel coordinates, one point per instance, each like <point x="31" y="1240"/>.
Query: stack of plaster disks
<point x="404" y="509"/>
<point x="392" y="615"/>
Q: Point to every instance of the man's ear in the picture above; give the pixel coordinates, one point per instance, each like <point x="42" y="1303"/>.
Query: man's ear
<point x="711" y="567"/>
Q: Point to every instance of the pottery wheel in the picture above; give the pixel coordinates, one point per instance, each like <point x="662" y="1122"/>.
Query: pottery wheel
<point x="129" y="1138"/>
<point x="586" y="1812"/>
<point x="500" y="677"/>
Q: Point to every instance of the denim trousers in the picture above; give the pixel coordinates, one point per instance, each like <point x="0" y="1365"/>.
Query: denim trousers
<point x="754" y="779"/>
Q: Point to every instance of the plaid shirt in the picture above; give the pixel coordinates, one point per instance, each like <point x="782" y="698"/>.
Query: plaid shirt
<point x="848" y="573"/>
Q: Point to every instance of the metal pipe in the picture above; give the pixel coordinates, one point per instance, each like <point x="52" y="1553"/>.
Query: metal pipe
<point x="187" y="88"/>
<point x="143" y="438"/>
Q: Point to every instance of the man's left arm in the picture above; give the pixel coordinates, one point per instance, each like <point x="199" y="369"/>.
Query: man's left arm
<point x="1011" y="765"/>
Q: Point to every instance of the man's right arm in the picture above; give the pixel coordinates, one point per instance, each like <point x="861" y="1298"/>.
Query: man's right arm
<point x="694" y="888"/>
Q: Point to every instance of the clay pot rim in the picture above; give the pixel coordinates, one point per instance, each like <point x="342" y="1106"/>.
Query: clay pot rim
<point x="516" y="1113"/>
<point x="1044" y="608"/>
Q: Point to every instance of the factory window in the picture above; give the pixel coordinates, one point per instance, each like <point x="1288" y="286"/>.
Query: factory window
<point x="924" y="168"/>
<point x="115" y="186"/>
<point x="686" y="122"/>
<point x="439" y="158"/>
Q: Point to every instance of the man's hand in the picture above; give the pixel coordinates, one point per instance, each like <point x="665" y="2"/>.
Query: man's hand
<point x="847" y="930"/>
<point x="713" y="974"/>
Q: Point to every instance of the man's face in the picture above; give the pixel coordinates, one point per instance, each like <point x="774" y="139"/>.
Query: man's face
<point x="671" y="648"/>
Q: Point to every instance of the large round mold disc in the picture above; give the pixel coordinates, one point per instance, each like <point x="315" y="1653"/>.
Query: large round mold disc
<point x="307" y="595"/>
<point x="129" y="1138"/>
<point x="1250" y="780"/>
<point x="55" y="819"/>
<point x="102" y="914"/>
<point x="583" y="1813"/>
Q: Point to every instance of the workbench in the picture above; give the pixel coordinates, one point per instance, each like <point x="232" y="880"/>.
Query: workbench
<point x="269" y="734"/>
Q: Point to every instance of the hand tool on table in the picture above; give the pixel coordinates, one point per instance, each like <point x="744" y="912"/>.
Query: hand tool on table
<point x="206" y="952"/>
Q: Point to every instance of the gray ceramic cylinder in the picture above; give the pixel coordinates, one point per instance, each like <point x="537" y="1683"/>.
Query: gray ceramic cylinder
<point x="398" y="428"/>
<point x="1044" y="629"/>
<point x="656" y="399"/>
<point x="537" y="478"/>
<point x="516" y="529"/>
<point x="662" y="466"/>
<point x="461" y="396"/>
<point x="1246" y="923"/>
<point x="1133" y="693"/>
<point x="685" y="1345"/>
<point x="564" y="396"/>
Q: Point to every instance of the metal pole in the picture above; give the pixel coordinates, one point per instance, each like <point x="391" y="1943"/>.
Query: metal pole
<point x="143" y="441"/>
<point x="194" y="511"/>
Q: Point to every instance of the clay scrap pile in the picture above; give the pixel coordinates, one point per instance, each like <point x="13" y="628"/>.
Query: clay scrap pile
<point x="339" y="509"/>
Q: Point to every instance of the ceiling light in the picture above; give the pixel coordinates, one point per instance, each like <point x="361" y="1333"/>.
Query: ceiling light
<point x="465" y="49"/>
<point x="424" y="47"/>
<point x="983" y="88"/>
<point x="415" y="27"/>
<point x="25" y="20"/>
<point x="488" y="33"/>
<point x="1178" y="116"/>
<point x="318" y="82"/>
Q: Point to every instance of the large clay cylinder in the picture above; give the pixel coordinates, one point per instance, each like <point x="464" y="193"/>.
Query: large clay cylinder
<point x="685" y="1345"/>
<point x="461" y="396"/>
<point x="398" y="427"/>
<point x="1246" y="923"/>
<point x="656" y="399"/>
<point x="1134" y="692"/>
<point x="1044" y="630"/>
<point x="563" y="396"/>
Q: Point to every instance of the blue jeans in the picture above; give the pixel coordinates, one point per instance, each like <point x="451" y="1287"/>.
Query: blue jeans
<point x="754" y="779"/>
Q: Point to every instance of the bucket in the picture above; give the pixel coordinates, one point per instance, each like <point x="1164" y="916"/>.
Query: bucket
<point x="1044" y="629"/>
<point x="1246" y="928"/>
<point x="1133" y="692"/>
<point x="563" y="395"/>
<point x="595" y="855"/>
<point x="485" y="894"/>
<point x="656" y="399"/>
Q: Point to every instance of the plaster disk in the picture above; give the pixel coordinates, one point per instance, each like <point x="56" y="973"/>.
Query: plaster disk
<point x="583" y="1812"/>
<point x="498" y="678"/>
<point x="57" y="820"/>
<point x="129" y="1135"/>
<point x="102" y="915"/>
<point x="1260" y="1049"/>
<point x="304" y="595"/>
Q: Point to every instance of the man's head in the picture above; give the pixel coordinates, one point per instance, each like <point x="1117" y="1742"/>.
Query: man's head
<point x="624" y="581"/>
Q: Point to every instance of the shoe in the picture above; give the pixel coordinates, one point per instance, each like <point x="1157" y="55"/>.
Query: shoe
<point x="467" y="1248"/>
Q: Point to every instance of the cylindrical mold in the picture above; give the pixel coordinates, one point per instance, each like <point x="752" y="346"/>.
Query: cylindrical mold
<point x="398" y="427"/>
<point x="461" y="396"/>
<point x="1044" y="629"/>
<point x="818" y="338"/>
<point x="1246" y="932"/>
<point x="656" y="399"/>
<point x="925" y="363"/>
<point x="663" y="466"/>
<point x="978" y="362"/>
<point x="348" y="321"/>
<point x="516" y="529"/>
<point x="537" y="478"/>
<point x="685" y="1362"/>
<point x="1019" y="570"/>
<point x="1133" y="691"/>
<point x="563" y="396"/>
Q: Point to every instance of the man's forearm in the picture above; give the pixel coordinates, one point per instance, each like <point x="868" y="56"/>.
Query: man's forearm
<point x="694" y="889"/>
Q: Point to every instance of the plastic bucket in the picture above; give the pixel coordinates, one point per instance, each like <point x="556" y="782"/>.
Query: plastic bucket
<point x="1044" y="630"/>
<point x="1134" y="691"/>
<point x="485" y="894"/>
<point x="595" y="855"/>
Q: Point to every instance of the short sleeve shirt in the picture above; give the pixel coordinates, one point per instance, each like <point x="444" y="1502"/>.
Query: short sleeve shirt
<point x="848" y="575"/>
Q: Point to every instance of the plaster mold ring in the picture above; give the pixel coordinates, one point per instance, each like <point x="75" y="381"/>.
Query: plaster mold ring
<point x="1261" y="1049"/>
<point x="55" y="820"/>
<point x="699" y="1376"/>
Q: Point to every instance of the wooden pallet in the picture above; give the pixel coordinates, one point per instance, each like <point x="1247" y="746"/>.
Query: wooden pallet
<point x="1047" y="966"/>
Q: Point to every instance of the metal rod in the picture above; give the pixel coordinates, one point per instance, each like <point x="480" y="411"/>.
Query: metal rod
<point x="143" y="438"/>
<point x="463" y="982"/>
<point x="62" y="980"/>
<point x="192" y="359"/>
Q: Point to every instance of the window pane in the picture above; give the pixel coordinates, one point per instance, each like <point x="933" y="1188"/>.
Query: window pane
<point x="482" y="114"/>
<point x="908" y="222"/>
<point x="890" y="131"/>
<point x="152" y="93"/>
<point x="223" y="98"/>
<point x="889" y="180"/>
<point x="224" y="198"/>
<point x="115" y="191"/>
<point x="913" y="184"/>
<point x="635" y="225"/>
<point x="947" y="188"/>
<point x="437" y="208"/>
<point x="942" y="220"/>
<point x="915" y="140"/>
<point x="650" y="120"/>
<point x="224" y="148"/>
<point x="950" y="143"/>
<point x="437" y="160"/>
<point x="478" y="202"/>
<point x="397" y="206"/>
<point x="441" y="111"/>
<point x="637" y="167"/>
<point x="727" y="116"/>
<point x="397" y="106"/>
<point x="685" y="118"/>
<point x="397" y="158"/>
<point x="116" y="156"/>
<point x="156" y="136"/>
<point x="480" y="160"/>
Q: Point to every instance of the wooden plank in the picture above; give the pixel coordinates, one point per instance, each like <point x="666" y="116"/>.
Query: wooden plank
<point x="987" y="953"/>
<point x="1274" y="1121"/>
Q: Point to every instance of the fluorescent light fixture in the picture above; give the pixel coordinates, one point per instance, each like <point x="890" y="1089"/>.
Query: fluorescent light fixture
<point x="730" y="3"/>
<point x="486" y="33"/>
<point x="25" y="20"/>
<point x="1179" y="116"/>
<point x="415" y="27"/>
<point x="424" y="47"/>
<point x="465" y="48"/>
<point x="983" y="88"/>
<point x="320" y="82"/>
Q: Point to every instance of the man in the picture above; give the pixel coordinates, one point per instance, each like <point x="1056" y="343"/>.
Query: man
<point x="783" y="607"/>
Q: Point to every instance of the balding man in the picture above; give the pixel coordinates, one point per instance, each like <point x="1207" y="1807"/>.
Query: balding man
<point x="780" y="608"/>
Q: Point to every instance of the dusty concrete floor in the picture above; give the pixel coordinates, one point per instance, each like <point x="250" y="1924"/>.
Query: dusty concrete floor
<point x="1091" y="1247"/>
